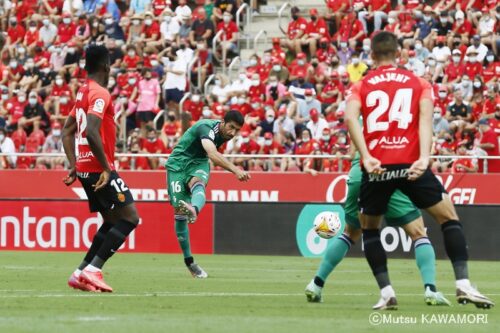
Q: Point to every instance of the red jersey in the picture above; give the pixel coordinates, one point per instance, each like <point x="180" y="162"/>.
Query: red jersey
<point x="458" y="165"/>
<point x="465" y="28"/>
<point x="16" y="33"/>
<point x="159" y="6"/>
<point x="390" y="98"/>
<point x="251" y="147"/>
<point x="454" y="70"/>
<point x="472" y="69"/>
<point x="318" y="27"/>
<point x="229" y="30"/>
<point x="294" y="27"/>
<point x="335" y="5"/>
<point x="66" y="32"/>
<point x="151" y="30"/>
<point x="491" y="137"/>
<point x="95" y="100"/>
<point x="491" y="71"/>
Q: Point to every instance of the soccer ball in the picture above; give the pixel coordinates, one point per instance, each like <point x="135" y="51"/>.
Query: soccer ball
<point x="327" y="224"/>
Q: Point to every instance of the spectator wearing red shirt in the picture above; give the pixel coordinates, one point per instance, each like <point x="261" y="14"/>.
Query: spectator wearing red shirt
<point x="472" y="66"/>
<point x="248" y="146"/>
<point x="229" y="38"/>
<point x="52" y="7"/>
<point x="63" y="106"/>
<point x="15" y="32"/>
<point x="463" y="165"/>
<point x="159" y="6"/>
<point x="377" y="10"/>
<point x="277" y="52"/>
<point x="296" y="30"/>
<point x="300" y="67"/>
<point x="153" y="145"/>
<point x="257" y="89"/>
<point x="336" y="9"/>
<point x="327" y="141"/>
<point x="351" y="30"/>
<point x="492" y="67"/>
<point x="489" y="143"/>
<point x="491" y="102"/>
<point x="271" y="147"/>
<point x="32" y="35"/>
<point x="462" y="27"/>
<point x="305" y="146"/>
<point x="332" y="93"/>
<point x="15" y="72"/>
<point x="66" y="29"/>
<point x="325" y="50"/>
<point x="443" y="99"/>
<point x="131" y="59"/>
<point x="150" y="30"/>
<point x="455" y="69"/>
<point x="316" y="29"/>
<point x="194" y="105"/>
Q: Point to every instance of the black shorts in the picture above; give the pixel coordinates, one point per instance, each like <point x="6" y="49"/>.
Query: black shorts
<point x="173" y="95"/>
<point x="145" y="116"/>
<point x="424" y="192"/>
<point x="114" y="194"/>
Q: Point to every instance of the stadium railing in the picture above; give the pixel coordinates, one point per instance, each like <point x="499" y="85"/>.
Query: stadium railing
<point x="264" y="156"/>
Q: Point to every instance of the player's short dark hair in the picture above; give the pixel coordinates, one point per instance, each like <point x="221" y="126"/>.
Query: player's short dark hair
<point x="235" y="117"/>
<point x="96" y="58"/>
<point x="384" y="45"/>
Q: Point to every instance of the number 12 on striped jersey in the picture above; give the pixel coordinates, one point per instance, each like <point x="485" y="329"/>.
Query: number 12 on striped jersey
<point x="399" y="110"/>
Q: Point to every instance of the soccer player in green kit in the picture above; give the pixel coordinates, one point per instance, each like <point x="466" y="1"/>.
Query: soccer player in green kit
<point x="188" y="171"/>
<point x="401" y="213"/>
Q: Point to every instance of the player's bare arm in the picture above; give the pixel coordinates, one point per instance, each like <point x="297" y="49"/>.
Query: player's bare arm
<point x="218" y="159"/>
<point x="425" y="137"/>
<point x="95" y="144"/>
<point x="353" y="110"/>
<point x="68" y="139"/>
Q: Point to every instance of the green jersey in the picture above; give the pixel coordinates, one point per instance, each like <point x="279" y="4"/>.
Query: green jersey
<point x="189" y="148"/>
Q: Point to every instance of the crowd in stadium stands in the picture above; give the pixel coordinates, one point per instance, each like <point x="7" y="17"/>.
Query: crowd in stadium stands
<point x="293" y="95"/>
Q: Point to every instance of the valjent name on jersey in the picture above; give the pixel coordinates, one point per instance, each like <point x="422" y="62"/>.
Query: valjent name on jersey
<point x="388" y="77"/>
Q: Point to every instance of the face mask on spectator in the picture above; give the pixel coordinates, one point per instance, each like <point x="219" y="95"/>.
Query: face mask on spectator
<point x="295" y="17"/>
<point x="390" y="20"/>
<point x="111" y="83"/>
<point x="218" y="83"/>
<point x="437" y="115"/>
<point x="472" y="59"/>
<point x="306" y="139"/>
<point x="148" y="22"/>
<point x="2" y="136"/>
<point x="369" y="61"/>
<point x="123" y="99"/>
<point x="440" y="44"/>
<point x="13" y="64"/>
<point x="5" y="97"/>
<point x="267" y="59"/>
<point x="71" y="50"/>
<point x="242" y="77"/>
<point x="21" y="99"/>
<point x="270" y="119"/>
<point x="151" y="138"/>
<point x="66" y="20"/>
<point x="477" y="84"/>
<point x="411" y="61"/>
<point x="136" y="22"/>
<point x="255" y="83"/>
<point x="226" y="18"/>
<point x="95" y="24"/>
<point x="167" y="19"/>
<point x="45" y="70"/>
<point x="342" y="140"/>
<point x="255" y="105"/>
<point x="308" y="98"/>
<point x="32" y="29"/>
<point x="59" y="82"/>
<point x="326" y="138"/>
<point x="108" y="21"/>
<point x="131" y="53"/>
<point x="81" y="65"/>
<point x="46" y="22"/>
<point x="273" y="83"/>
<point x="57" y="50"/>
<point x="13" y="22"/>
<point x="200" y="46"/>
<point x="276" y="68"/>
<point x="30" y="64"/>
<point x="427" y="18"/>
<point x="268" y="142"/>
<point x="456" y="59"/>
<point x="490" y="58"/>
<point x="253" y="62"/>
<point x="206" y="113"/>
<point x="432" y="62"/>
<point x="195" y="98"/>
<point x="131" y="81"/>
<point x="63" y="100"/>
<point x="56" y="132"/>
<point x="442" y="94"/>
<point x="343" y="45"/>
<point x="465" y="83"/>
<point x="245" y="140"/>
<point x="154" y="63"/>
<point x="443" y="20"/>
<point x="241" y="100"/>
<point x="32" y="101"/>
<point x="301" y="80"/>
<point x="21" y="50"/>
<point x="418" y="46"/>
<point x="355" y="61"/>
<point x="300" y="62"/>
<point x="171" y="117"/>
<point x="366" y="48"/>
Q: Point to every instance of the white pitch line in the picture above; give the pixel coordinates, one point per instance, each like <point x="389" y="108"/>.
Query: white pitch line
<point x="199" y="294"/>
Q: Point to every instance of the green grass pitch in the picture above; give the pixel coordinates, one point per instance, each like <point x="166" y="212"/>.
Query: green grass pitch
<point x="155" y="293"/>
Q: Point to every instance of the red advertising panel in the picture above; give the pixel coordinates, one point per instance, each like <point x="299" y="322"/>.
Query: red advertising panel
<point x="263" y="187"/>
<point x="68" y="226"/>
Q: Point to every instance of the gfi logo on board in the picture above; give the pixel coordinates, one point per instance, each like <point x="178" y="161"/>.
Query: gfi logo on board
<point x="308" y="242"/>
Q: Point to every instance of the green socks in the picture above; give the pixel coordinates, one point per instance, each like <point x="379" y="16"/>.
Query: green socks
<point x="198" y="196"/>
<point x="333" y="256"/>
<point x="182" y="231"/>
<point x="426" y="262"/>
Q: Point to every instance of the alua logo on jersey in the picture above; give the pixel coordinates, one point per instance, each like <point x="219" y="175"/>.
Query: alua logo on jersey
<point x="309" y="243"/>
<point x="389" y="142"/>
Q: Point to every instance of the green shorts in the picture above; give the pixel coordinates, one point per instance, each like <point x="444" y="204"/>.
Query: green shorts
<point x="400" y="210"/>
<point x="178" y="181"/>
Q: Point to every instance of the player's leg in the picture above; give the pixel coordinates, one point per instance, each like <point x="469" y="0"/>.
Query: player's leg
<point x="429" y="194"/>
<point x="339" y="246"/>
<point x="120" y="209"/>
<point x="373" y="201"/>
<point x="198" y="175"/>
<point x="180" y="198"/>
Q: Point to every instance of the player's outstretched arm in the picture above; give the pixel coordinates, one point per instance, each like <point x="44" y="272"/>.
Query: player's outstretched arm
<point x="68" y="140"/>
<point x="218" y="159"/>
<point x="95" y="144"/>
